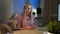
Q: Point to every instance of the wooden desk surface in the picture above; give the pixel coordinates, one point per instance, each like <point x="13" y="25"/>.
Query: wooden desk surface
<point x="27" y="32"/>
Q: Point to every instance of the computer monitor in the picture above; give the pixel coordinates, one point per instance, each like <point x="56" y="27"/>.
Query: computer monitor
<point x="38" y="10"/>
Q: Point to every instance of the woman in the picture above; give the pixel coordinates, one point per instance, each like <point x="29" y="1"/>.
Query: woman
<point x="25" y="19"/>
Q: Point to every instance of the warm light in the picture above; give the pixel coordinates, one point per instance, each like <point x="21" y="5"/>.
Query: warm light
<point x="49" y="33"/>
<point x="46" y="32"/>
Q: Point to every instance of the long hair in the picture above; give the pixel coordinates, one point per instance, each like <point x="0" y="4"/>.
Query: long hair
<point x="24" y="15"/>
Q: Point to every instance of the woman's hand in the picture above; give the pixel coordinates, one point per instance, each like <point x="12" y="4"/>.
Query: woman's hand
<point x="34" y="26"/>
<point x="26" y="28"/>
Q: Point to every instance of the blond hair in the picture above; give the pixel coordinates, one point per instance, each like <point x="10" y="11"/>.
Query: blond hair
<point x="24" y="15"/>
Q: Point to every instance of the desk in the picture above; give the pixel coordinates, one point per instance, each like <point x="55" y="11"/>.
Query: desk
<point x="27" y="32"/>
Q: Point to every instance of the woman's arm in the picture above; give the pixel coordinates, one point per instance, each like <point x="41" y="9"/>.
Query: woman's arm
<point x="19" y="22"/>
<point x="34" y="24"/>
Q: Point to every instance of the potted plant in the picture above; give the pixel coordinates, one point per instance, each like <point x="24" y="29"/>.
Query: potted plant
<point x="53" y="27"/>
<point x="50" y="27"/>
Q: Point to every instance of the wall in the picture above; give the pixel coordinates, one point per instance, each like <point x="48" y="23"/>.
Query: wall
<point x="2" y="12"/>
<point x="50" y="10"/>
<point x="5" y="9"/>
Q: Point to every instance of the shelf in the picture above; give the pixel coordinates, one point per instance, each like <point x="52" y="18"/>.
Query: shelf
<point x="12" y="18"/>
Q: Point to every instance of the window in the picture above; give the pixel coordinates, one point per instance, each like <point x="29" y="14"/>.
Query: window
<point x="19" y="4"/>
<point x="58" y="12"/>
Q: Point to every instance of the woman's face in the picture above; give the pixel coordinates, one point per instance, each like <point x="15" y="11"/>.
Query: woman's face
<point x="28" y="9"/>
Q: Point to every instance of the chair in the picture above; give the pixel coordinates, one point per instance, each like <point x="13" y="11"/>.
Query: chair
<point x="5" y="28"/>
